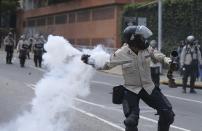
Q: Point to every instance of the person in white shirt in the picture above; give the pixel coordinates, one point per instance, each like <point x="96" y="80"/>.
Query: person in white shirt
<point x="22" y="49"/>
<point x="190" y="60"/>
<point x="9" y="47"/>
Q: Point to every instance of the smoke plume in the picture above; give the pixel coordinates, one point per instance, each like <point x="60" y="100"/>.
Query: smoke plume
<point x="67" y="78"/>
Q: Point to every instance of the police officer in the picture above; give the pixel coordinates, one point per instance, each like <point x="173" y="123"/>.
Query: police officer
<point x="38" y="49"/>
<point x="190" y="60"/>
<point x="155" y="66"/>
<point x="22" y="49"/>
<point x="135" y="57"/>
<point x="30" y="43"/>
<point x="9" y="47"/>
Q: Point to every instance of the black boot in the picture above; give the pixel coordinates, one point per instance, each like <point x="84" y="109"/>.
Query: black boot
<point x="184" y="90"/>
<point x="131" y="129"/>
<point x="192" y="91"/>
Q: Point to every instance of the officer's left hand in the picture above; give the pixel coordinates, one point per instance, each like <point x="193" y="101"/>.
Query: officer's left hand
<point x="85" y="58"/>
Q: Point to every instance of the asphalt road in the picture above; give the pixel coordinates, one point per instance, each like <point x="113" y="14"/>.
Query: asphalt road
<point x="95" y="112"/>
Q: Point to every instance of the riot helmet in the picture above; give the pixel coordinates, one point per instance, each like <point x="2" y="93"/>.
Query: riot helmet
<point x="136" y="36"/>
<point x="22" y="37"/>
<point x="10" y="34"/>
<point x="190" y="40"/>
<point x="153" y="43"/>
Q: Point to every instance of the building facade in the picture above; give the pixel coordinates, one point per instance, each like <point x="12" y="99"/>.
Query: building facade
<point x="82" y="22"/>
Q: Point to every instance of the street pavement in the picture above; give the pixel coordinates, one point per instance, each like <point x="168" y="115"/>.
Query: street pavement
<point x="96" y="111"/>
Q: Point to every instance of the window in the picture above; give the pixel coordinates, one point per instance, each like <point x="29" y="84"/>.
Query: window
<point x="83" y="16"/>
<point x="72" y="17"/>
<point x="61" y="19"/>
<point x="83" y="41"/>
<point x="31" y="23"/>
<point x="50" y="20"/>
<point x="24" y="23"/>
<point x="41" y="21"/>
<point x="103" y="13"/>
<point x="71" y="41"/>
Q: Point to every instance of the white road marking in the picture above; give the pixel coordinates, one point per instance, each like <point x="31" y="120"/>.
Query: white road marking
<point x="174" y="97"/>
<point x="101" y="119"/>
<point x="32" y="86"/>
<point x="89" y="114"/>
<point x="142" y="117"/>
<point x="184" y="99"/>
<point x="102" y="83"/>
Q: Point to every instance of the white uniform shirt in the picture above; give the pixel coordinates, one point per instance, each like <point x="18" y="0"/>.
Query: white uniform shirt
<point x="187" y="53"/>
<point x="20" y="44"/>
<point x="136" y="68"/>
<point x="8" y="41"/>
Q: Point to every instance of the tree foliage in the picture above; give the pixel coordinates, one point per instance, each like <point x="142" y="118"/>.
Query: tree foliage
<point x="9" y="5"/>
<point x="180" y="19"/>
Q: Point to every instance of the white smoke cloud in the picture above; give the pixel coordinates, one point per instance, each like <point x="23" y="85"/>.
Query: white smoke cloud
<point x="67" y="78"/>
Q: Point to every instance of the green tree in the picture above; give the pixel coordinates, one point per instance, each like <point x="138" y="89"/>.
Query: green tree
<point x="8" y="12"/>
<point x="9" y="5"/>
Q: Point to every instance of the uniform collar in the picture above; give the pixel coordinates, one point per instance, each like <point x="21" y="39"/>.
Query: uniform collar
<point x="130" y="52"/>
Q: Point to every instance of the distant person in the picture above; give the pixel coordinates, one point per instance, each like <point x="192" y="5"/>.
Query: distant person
<point x="9" y="47"/>
<point x="43" y="40"/>
<point x="179" y="51"/>
<point x="22" y="48"/>
<point x="180" y="47"/>
<point x="30" y="43"/>
<point x="38" y="49"/>
<point x="155" y="66"/>
<point x="190" y="61"/>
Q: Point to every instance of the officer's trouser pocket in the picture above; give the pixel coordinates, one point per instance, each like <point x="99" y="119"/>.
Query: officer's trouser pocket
<point x="118" y="94"/>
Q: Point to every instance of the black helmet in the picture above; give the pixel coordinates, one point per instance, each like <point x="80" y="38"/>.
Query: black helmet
<point x="10" y="33"/>
<point x="136" y="36"/>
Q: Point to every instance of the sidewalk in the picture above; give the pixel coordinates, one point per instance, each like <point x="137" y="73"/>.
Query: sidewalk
<point x="163" y="78"/>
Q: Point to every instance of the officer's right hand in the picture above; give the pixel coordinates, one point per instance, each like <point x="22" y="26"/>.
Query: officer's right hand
<point x="84" y="58"/>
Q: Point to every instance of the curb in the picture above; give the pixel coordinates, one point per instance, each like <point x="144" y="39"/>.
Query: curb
<point x="179" y="84"/>
<point x="164" y="80"/>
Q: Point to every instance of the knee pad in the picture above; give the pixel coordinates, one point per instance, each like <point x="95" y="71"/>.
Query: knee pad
<point x="167" y="116"/>
<point x="131" y="120"/>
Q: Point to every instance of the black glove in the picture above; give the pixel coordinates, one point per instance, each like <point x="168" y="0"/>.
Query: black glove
<point x="84" y="58"/>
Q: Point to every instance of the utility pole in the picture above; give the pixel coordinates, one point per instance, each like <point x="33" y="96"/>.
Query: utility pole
<point x="160" y="28"/>
<point x="159" y="24"/>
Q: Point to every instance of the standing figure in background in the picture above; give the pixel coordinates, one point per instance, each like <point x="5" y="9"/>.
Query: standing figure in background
<point x="43" y="40"/>
<point x="190" y="60"/>
<point x="180" y="47"/>
<point x="9" y="47"/>
<point x="179" y="51"/>
<point x="30" y="43"/>
<point x="155" y="66"/>
<point x="38" y="49"/>
<point x="22" y="48"/>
